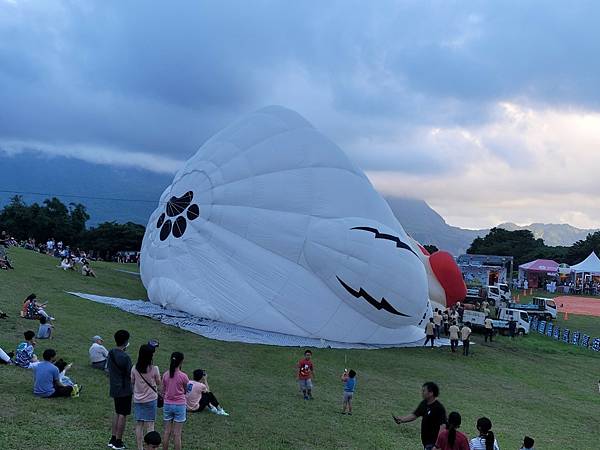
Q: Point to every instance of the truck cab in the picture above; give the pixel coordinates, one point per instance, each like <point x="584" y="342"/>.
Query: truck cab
<point x="505" y="292"/>
<point x="548" y="304"/>
<point x="521" y="317"/>
<point x="494" y="296"/>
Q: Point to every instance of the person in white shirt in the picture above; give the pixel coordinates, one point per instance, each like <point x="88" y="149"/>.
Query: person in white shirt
<point x="453" y="330"/>
<point x="485" y="440"/>
<point x="465" y="334"/>
<point x="98" y="353"/>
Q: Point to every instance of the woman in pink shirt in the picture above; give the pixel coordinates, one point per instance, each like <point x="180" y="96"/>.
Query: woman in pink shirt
<point x="175" y="384"/>
<point x="145" y="381"/>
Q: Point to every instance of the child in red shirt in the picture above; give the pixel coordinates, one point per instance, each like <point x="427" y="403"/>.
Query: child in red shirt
<point x="306" y="373"/>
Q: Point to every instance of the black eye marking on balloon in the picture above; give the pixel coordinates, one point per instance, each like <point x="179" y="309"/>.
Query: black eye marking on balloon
<point x="175" y="207"/>
<point x="383" y="304"/>
<point x="389" y="237"/>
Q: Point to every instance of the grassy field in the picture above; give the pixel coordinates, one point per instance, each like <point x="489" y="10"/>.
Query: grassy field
<point x="532" y="385"/>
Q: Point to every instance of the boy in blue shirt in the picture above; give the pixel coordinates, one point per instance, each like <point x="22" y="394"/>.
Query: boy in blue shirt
<point x="349" y="380"/>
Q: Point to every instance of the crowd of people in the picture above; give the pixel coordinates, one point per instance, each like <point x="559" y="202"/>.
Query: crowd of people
<point x="140" y="384"/>
<point x="450" y="323"/>
<point x="440" y="431"/>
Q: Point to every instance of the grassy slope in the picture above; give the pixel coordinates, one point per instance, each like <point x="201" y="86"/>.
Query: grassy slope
<point x="529" y="386"/>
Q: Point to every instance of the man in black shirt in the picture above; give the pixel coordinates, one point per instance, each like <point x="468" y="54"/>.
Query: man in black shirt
<point x="432" y="412"/>
<point x="119" y="370"/>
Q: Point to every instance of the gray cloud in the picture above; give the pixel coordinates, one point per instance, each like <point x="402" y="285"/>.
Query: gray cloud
<point x="374" y="76"/>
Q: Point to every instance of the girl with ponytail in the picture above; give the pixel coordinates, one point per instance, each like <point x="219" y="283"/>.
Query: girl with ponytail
<point x="451" y="438"/>
<point x="174" y="385"/>
<point x="485" y="440"/>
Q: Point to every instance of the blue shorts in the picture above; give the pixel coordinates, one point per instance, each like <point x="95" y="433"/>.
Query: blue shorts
<point x="145" y="412"/>
<point x="176" y="413"/>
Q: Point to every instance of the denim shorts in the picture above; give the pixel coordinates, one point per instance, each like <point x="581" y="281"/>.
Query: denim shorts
<point x="305" y="384"/>
<point x="176" y="413"/>
<point x="145" y="412"/>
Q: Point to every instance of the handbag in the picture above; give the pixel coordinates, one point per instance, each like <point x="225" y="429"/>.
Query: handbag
<point x="159" y="401"/>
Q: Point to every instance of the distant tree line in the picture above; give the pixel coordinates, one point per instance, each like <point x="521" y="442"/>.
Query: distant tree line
<point x="524" y="247"/>
<point x="67" y="223"/>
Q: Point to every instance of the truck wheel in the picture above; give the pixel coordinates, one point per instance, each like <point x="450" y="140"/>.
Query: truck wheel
<point x="522" y="331"/>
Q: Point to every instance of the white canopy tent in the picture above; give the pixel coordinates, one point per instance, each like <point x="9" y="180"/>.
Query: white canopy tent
<point x="590" y="265"/>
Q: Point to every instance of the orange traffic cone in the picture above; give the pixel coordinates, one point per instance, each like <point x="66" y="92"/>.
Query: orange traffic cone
<point x="566" y="316"/>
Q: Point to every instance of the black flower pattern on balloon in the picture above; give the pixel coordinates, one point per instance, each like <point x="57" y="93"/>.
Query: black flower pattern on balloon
<point x="172" y="221"/>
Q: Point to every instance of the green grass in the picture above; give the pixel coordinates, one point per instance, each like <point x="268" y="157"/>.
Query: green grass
<point x="531" y="385"/>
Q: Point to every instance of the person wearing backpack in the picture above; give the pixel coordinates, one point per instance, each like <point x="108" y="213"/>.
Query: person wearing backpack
<point x="145" y="380"/>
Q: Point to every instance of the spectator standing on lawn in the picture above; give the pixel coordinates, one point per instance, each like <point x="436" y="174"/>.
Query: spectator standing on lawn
<point x="454" y="330"/>
<point x="489" y="328"/>
<point x="433" y="415"/>
<point x="306" y="373"/>
<point x="119" y="371"/>
<point x="437" y="321"/>
<point x="485" y="440"/>
<point x="349" y="380"/>
<point x="46" y="378"/>
<point x="175" y="384"/>
<point x="145" y="378"/>
<point x="465" y="334"/>
<point x="429" y="332"/>
<point x="451" y="438"/>
<point x="98" y="353"/>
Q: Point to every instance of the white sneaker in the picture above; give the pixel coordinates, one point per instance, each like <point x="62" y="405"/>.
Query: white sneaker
<point x="212" y="409"/>
<point x="221" y="412"/>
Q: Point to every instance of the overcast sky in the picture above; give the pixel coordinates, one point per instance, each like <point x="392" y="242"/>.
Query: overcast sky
<point x="489" y="111"/>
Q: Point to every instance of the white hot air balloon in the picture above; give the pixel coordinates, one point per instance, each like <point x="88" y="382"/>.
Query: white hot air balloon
<point x="270" y="226"/>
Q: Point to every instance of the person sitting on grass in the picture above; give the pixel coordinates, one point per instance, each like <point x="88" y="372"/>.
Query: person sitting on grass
<point x="349" y="380"/>
<point x="33" y="310"/>
<point x="198" y="395"/>
<point x="5" y="358"/>
<point x="98" y="353"/>
<point x="67" y="263"/>
<point x="46" y="378"/>
<point x="64" y="379"/>
<point x="45" y="329"/>
<point x="152" y="440"/>
<point x="24" y="356"/>
<point x="87" y="271"/>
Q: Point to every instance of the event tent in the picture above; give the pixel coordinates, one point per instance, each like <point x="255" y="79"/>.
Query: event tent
<point x="540" y="265"/>
<point x="591" y="265"/>
<point x="537" y="272"/>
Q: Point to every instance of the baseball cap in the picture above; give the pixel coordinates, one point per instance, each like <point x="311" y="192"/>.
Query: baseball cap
<point x="97" y="338"/>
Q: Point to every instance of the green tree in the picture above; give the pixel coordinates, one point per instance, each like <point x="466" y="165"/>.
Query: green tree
<point x="581" y="249"/>
<point x="520" y="244"/>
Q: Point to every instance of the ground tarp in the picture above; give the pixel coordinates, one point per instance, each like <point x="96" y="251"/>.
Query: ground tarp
<point x="213" y="329"/>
